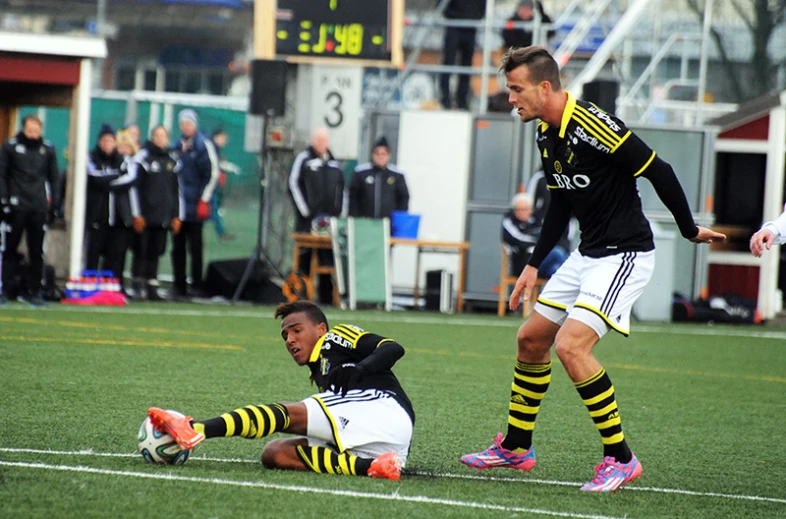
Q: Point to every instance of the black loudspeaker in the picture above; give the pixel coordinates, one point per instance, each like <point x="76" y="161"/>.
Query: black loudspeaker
<point x="223" y="278"/>
<point x="268" y="87"/>
<point x="604" y="93"/>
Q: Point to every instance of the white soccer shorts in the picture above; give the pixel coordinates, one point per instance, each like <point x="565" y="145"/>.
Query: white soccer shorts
<point x="599" y="292"/>
<point x="366" y="422"/>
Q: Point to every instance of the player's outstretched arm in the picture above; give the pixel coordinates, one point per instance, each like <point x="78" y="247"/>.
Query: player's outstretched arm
<point x="524" y="285"/>
<point x="761" y="241"/>
<point x="771" y="233"/>
<point x="707" y="236"/>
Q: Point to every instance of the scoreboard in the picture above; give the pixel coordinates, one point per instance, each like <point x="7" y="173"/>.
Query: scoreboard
<point x="364" y="30"/>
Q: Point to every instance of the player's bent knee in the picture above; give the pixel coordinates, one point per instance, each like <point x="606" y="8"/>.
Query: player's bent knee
<point x="272" y="454"/>
<point x="532" y="343"/>
<point x="566" y="351"/>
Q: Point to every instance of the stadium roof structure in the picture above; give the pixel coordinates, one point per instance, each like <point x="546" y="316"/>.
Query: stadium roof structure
<point x="56" y="45"/>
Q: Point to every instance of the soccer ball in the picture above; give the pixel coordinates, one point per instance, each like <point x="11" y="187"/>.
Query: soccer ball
<point x="158" y="447"/>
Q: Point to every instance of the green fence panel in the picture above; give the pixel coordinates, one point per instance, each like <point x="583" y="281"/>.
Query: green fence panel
<point x="362" y="256"/>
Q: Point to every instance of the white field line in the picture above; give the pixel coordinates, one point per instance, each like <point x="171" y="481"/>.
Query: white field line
<point x="402" y="317"/>
<point x="395" y="496"/>
<point x="90" y="452"/>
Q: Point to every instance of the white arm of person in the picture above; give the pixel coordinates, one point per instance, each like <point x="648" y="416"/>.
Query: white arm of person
<point x="771" y="233"/>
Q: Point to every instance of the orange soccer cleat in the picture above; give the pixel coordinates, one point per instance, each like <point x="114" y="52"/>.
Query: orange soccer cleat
<point x="386" y="466"/>
<point x="177" y="425"/>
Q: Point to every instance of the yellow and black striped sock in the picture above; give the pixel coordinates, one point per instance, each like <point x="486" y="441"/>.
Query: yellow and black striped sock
<point x="252" y="421"/>
<point x="530" y="382"/>
<point x="598" y="395"/>
<point x="326" y="461"/>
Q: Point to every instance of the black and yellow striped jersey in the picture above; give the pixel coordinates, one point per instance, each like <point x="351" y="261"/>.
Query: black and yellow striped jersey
<point x="348" y="343"/>
<point x="591" y="162"/>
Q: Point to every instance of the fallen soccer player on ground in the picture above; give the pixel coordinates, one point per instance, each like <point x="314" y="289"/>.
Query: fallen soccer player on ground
<point x="360" y="424"/>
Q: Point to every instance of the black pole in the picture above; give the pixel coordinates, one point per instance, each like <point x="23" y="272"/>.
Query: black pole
<point x="259" y="253"/>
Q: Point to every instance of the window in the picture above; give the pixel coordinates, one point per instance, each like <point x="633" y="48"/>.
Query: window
<point x="193" y="83"/>
<point x="172" y="81"/>
<point x="215" y="84"/>
<point x="150" y="80"/>
<point x="125" y="78"/>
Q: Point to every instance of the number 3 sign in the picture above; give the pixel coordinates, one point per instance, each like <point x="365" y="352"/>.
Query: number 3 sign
<point x="335" y="105"/>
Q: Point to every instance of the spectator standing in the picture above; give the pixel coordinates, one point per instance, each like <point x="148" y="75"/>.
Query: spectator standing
<point x="161" y="204"/>
<point x="459" y="42"/>
<point x="110" y="213"/>
<point x="378" y="188"/>
<point x="134" y="134"/>
<point x="525" y="12"/>
<point x="220" y="139"/>
<point x="316" y="183"/>
<point x="28" y="174"/>
<point x="127" y="144"/>
<point x="198" y="179"/>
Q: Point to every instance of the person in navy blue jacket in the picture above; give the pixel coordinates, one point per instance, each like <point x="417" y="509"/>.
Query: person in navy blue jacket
<point x="198" y="179"/>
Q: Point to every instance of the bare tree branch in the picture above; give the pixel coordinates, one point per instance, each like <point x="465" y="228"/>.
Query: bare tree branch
<point x="743" y="15"/>
<point x="728" y="65"/>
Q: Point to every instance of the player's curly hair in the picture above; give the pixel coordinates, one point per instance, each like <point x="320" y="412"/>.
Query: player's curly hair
<point x="314" y="313"/>
<point x="540" y="63"/>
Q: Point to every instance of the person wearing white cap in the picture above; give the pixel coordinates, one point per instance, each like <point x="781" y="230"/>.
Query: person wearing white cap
<point x="198" y="179"/>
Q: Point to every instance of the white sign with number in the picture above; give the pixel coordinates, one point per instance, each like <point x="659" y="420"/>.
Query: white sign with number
<point x="335" y="104"/>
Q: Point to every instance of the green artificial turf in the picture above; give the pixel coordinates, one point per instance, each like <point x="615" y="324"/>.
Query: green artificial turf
<point x="703" y="407"/>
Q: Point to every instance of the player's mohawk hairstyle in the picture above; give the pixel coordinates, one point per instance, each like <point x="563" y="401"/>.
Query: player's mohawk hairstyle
<point x="541" y="64"/>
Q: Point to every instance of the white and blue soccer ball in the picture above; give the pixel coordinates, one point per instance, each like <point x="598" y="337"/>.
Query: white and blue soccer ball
<point x="158" y="447"/>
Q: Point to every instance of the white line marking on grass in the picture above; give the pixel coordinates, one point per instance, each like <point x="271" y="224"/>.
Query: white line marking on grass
<point x="396" y="496"/>
<point x="626" y="488"/>
<point x="554" y="482"/>
<point x="402" y="317"/>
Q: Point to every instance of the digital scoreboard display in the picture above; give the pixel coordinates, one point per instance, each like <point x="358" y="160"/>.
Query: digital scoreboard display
<point x="350" y="29"/>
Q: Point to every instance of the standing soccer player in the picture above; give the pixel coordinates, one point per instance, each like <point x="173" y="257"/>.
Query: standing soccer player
<point x="360" y="424"/>
<point x="591" y="161"/>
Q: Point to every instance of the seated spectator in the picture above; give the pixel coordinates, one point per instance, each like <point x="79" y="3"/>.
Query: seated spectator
<point x="378" y="188"/>
<point x="520" y="232"/>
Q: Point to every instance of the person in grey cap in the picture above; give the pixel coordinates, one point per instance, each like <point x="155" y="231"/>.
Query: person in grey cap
<point x="198" y="179"/>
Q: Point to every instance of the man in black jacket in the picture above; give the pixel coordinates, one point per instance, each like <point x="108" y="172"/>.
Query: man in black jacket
<point x="110" y="212"/>
<point x="161" y="203"/>
<point x="520" y="233"/>
<point x="378" y="187"/>
<point x="316" y="183"/>
<point x="28" y="174"/>
<point x="525" y="12"/>
<point x="459" y="40"/>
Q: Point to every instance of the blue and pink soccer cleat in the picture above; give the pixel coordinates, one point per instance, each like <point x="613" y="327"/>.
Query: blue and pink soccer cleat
<point x="611" y="475"/>
<point x="498" y="456"/>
